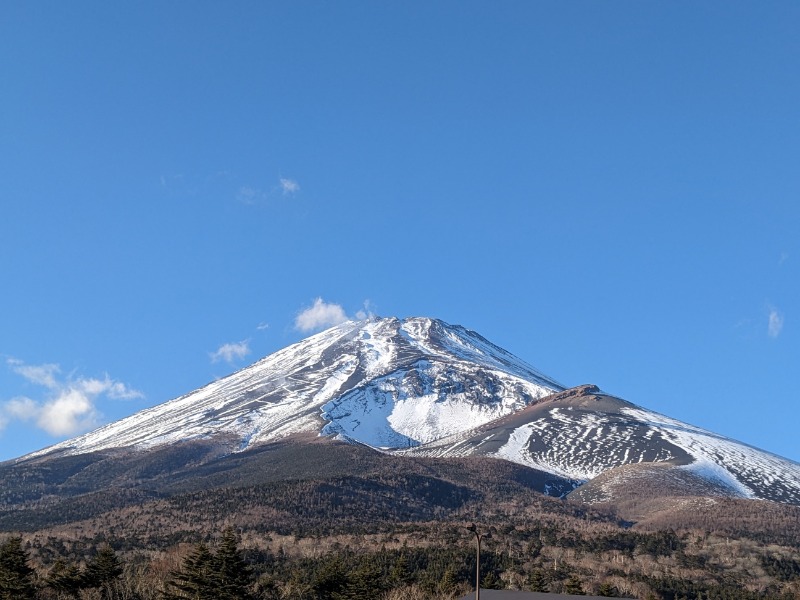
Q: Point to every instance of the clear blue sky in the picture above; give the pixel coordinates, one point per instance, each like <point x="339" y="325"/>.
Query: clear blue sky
<point x="609" y="190"/>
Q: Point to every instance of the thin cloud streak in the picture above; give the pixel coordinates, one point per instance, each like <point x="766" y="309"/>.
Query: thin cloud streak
<point x="39" y="374"/>
<point x="250" y="195"/>
<point x="774" y="323"/>
<point x="231" y="352"/>
<point x="289" y="187"/>
<point x="367" y="312"/>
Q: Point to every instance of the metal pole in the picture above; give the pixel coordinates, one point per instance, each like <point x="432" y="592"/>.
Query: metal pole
<point x="478" y="569"/>
<point x="478" y="538"/>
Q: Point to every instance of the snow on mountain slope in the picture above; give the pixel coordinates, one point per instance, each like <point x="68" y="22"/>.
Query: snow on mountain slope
<point x="432" y="399"/>
<point x="581" y="433"/>
<point x="422" y="387"/>
<point x="746" y="470"/>
<point x="382" y="382"/>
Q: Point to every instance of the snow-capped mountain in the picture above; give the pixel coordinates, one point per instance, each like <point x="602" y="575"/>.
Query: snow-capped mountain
<point x="421" y="387"/>
<point x="386" y="383"/>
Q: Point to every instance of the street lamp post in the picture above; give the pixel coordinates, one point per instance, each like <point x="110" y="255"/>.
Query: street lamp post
<point x="478" y="538"/>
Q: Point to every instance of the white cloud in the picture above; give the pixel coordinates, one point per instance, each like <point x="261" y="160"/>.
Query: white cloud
<point x="262" y="326"/>
<point x="320" y="316"/>
<point x="119" y="391"/>
<point x="254" y="195"/>
<point x="249" y="195"/>
<point x="289" y="186"/>
<point x="775" y="323"/>
<point x="21" y="408"/>
<point x="367" y="312"/>
<point x="231" y="352"/>
<point x="71" y="405"/>
<point x="71" y="412"/>
<point x="113" y="389"/>
<point x="39" y="374"/>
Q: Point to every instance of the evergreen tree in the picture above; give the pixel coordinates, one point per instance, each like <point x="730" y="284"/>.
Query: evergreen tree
<point x="233" y="573"/>
<point x="64" y="578"/>
<point x="268" y="588"/>
<point x="364" y="583"/>
<point x="15" y="574"/>
<point x="197" y="578"/>
<point x="330" y="581"/>
<point x="537" y="581"/>
<point x="490" y="581"/>
<point x="607" y="590"/>
<point x="399" y="574"/>
<point x="574" y="587"/>
<point x="103" y="568"/>
<point x="448" y="582"/>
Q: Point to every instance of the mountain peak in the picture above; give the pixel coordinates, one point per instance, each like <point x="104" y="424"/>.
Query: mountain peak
<point x="423" y="387"/>
<point x="385" y="382"/>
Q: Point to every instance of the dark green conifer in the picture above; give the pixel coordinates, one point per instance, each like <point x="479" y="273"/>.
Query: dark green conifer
<point x="365" y="583"/>
<point x="607" y="590"/>
<point x="103" y="568"/>
<point x="537" y="581"/>
<point x="15" y="575"/>
<point x="65" y="578"/>
<point x="448" y="581"/>
<point x="233" y="573"/>
<point x="331" y="580"/>
<point x="197" y="579"/>
<point x="574" y="587"/>
<point x="490" y="581"/>
<point x="399" y="575"/>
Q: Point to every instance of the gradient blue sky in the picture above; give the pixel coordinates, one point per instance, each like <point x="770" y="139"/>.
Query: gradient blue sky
<point x="609" y="190"/>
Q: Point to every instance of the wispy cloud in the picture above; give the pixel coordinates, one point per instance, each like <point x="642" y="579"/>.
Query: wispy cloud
<point x="774" y="322"/>
<point x="170" y="180"/>
<point x="262" y="326"/>
<point x="250" y="195"/>
<point x="231" y="352"/>
<point x="253" y="195"/>
<point x="107" y="386"/>
<point x="21" y="408"/>
<point x="69" y="406"/>
<point x="366" y="312"/>
<point x="289" y="187"/>
<point x="319" y="316"/>
<point x="39" y="374"/>
<point x="252" y="190"/>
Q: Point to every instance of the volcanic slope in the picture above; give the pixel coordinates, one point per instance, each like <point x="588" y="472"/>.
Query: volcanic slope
<point x="421" y="387"/>
<point x="603" y="445"/>
<point x="385" y="383"/>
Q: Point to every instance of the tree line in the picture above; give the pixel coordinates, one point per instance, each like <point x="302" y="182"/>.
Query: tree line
<point x="17" y="581"/>
<point x="551" y="561"/>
